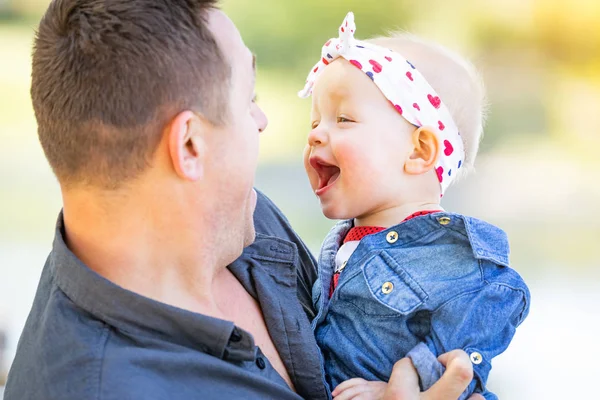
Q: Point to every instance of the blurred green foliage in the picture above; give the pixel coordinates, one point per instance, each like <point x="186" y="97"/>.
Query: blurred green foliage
<point x="289" y="34"/>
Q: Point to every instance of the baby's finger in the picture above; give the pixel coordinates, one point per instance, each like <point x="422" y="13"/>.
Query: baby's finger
<point x="352" y="392"/>
<point x="346" y="385"/>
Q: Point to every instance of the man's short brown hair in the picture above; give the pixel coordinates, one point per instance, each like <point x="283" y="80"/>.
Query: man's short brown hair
<point x="109" y="74"/>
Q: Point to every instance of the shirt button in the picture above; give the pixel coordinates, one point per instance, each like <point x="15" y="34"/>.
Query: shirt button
<point x="444" y="220"/>
<point x="235" y="336"/>
<point x="387" y="287"/>
<point x="260" y="363"/>
<point x="392" y="237"/>
<point x="476" y="358"/>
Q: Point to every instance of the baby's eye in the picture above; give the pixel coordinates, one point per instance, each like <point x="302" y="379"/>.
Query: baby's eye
<point x="314" y="125"/>
<point x="343" y="119"/>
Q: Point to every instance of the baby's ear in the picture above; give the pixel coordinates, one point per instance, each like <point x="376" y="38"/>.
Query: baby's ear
<point x="426" y="152"/>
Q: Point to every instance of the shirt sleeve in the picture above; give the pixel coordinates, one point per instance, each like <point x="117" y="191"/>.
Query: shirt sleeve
<point x="482" y="323"/>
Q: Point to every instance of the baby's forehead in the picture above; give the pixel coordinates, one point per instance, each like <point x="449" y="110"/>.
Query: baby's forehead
<point x="341" y="80"/>
<point x="335" y="79"/>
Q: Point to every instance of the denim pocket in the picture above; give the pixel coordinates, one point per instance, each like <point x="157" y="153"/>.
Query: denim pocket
<point x="383" y="289"/>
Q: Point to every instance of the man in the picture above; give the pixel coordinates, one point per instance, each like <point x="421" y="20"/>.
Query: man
<point x="146" y="114"/>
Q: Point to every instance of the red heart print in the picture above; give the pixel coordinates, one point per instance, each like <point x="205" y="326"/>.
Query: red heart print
<point x="441" y="125"/>
<point x="388" y="58"/>
<point x="415" y="105"/>
<point x="409" y="75"/>
<point x="356" y="64"/>
<point x="328" y="43"/>
<point x="440" y="173"/>
<point x="342" y="28"/>
<point x="325" y="61"/>
<point x="397" y="107"/>
<point x="315" y="70"/>
<point x="435" y="101"/>
<point x="448" y="148"/>
<point x="376" y="66"/>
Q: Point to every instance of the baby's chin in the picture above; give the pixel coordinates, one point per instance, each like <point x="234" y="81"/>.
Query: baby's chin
<point x="333" y="211"/>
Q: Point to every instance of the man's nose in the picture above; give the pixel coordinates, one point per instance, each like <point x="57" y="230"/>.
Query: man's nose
<point x="261" y="120"/>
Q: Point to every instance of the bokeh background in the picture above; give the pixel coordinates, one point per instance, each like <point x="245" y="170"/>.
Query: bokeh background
<point x="536" y="172"/>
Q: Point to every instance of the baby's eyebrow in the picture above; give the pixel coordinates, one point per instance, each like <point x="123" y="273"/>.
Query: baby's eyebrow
<point x="338" y="93"/>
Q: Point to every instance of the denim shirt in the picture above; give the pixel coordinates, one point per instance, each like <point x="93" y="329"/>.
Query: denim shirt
<point x="427" y="286"/>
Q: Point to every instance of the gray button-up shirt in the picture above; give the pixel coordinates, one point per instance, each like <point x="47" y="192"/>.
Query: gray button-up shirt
<point x="87" y="338"/>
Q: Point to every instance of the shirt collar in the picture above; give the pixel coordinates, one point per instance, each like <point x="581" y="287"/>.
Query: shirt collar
<point x="139" y="315"/>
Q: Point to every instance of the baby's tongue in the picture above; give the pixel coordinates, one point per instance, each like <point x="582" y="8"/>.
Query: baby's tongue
<point x="334" y="176"/>
<point x="331" y="173"/>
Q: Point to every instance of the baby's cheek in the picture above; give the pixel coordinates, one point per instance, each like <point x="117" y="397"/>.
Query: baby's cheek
<point x="352" y="152"/>
<point x="355" y="157"/>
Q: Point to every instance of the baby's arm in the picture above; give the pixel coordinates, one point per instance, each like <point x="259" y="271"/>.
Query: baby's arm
<point x="482" y="323"/>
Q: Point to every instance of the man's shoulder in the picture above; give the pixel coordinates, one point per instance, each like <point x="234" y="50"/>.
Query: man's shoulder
<point x="60" y="349"/>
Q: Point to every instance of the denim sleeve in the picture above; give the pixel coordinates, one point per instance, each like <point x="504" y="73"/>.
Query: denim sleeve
<point x="481" y="323"/>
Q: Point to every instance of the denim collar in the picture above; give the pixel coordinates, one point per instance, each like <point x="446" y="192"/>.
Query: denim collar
<point x="487" y="241"/>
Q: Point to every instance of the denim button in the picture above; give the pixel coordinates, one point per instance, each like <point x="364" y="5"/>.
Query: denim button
<point x="341" y="267"/>
<point x="476" y="358"/>
<point x="444" y="220"/>
<point x="260" y="363"/>
<point x="387" y="288"/>
<point x="392" y="237"/>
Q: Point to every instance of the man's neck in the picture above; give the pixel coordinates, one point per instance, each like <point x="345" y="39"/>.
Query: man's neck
<point x="146" y="248"/>
<point x="393" y="215"/>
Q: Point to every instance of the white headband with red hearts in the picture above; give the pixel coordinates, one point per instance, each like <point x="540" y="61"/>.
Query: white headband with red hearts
<point x="404" y="86"/>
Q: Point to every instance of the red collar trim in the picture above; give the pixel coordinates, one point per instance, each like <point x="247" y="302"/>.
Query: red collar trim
<point x="358" y="232"/>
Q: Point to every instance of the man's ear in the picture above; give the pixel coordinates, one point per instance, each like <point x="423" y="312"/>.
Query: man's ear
<point x="186" y="145"/>
<point x="426" y="151"/>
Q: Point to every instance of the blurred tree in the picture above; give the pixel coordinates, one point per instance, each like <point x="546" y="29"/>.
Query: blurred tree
<point x="569" y="32"/>
<point x="289" y="34"/>
<point x="19" y="9"/>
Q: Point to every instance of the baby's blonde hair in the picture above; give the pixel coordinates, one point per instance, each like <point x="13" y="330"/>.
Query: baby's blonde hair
<point x="455" y="80"/>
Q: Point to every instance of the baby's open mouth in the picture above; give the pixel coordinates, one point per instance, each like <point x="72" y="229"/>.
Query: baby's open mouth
<point x="327" y="173"/>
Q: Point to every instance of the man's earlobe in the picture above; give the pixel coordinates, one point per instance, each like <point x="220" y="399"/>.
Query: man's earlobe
<point x="426" y="152"/>
<point x="186" y="146"/>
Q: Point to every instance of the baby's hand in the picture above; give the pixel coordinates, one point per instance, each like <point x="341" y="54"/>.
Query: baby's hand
<point x="359" y="389"/>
